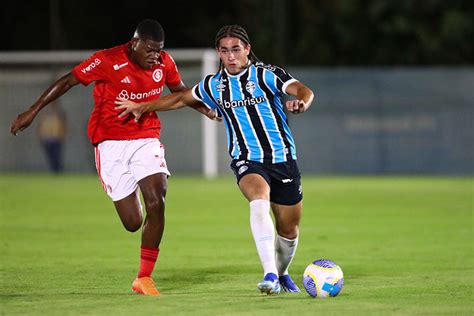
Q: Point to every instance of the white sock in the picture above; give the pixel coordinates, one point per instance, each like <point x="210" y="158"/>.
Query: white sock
<point x="264" y="234"/>
<point x="285" y="251"/>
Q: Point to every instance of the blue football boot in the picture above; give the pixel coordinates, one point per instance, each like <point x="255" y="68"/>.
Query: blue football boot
<point x="288" y="285"/>
<point x="270" y="284"/>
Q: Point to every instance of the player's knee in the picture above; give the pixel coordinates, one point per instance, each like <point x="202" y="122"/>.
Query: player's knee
<point x="290" y="232"/>
<point x="133" y="224"/>
<point x="155" y="204"/>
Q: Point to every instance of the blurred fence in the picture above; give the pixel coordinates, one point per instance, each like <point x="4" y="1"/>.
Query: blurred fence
<point x="368" y="121"/>
<point x="400" y="120"/>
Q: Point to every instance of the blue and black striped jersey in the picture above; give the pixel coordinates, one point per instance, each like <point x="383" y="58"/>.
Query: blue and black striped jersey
<point x="251" y="105"/>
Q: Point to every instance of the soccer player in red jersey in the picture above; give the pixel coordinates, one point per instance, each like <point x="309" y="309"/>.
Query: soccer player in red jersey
<point x="129" y="156"/>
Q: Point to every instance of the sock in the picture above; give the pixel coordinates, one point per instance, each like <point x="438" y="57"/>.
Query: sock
<point x="148" y="258"/>
<point x="285" y="251"/>
<point x="264" y="234"/>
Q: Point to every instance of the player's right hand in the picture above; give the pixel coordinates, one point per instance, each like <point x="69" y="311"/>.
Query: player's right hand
<point x="128" y="107"/>
<point x="296" y="106"/>
<point x="22" y="121"/>
<point x="216" y="117"/>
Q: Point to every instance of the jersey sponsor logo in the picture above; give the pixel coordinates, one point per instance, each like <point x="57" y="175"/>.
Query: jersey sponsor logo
<point x="157" y="75"/>
<point x="237" y="103"/>
<point x="125" y="80"/>
<point x="250" y="87"/>
<point x="117" y="66"/>
<point x="124" y="94"/>
<point x="92" y="65"/>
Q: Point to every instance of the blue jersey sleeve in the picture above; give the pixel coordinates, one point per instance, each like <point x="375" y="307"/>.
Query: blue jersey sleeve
<point x="277" y="79"/>
<point x="202" y="92"/>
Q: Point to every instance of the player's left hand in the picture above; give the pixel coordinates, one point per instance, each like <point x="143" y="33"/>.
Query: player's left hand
<point x="296" y="106"/>
<point x="128" y="107"/>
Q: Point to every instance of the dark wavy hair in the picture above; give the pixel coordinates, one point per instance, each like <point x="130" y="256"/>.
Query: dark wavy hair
<point x="238" y="32"/>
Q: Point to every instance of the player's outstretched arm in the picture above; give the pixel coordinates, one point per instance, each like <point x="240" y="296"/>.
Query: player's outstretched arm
<point x="203" y="109"/>
<point x="57" y="89"/>
<point x="172" y="101"/>
<point x="196" y="105"/>
<point x="304" y="97"/>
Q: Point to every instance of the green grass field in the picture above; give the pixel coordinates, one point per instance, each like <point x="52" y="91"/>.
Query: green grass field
<point x="405" y="245"/>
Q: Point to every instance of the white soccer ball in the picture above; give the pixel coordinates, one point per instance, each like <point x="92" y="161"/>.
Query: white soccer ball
<point x="323" y="278"/>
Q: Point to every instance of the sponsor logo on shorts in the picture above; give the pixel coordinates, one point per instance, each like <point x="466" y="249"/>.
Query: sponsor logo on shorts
<point x="92" y="65"/>
<point x="242" y="169"/>
<point x="287" y="180"/>
<point x="240" y="163"/>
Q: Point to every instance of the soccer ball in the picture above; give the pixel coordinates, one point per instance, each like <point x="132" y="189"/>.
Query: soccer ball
<point x="323" y="278"/>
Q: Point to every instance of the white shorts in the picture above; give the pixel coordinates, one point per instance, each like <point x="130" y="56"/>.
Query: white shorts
<point x="122" y="163"/>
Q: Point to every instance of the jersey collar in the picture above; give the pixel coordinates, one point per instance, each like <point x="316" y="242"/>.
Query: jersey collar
<point x="240" y="73"/>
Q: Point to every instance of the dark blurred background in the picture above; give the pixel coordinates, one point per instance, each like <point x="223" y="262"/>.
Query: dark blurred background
<point x="393" y="78"/>
<point x="297" y="32"/>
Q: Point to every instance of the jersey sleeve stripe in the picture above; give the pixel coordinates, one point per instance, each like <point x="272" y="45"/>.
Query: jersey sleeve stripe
<point x="203" y="94"/>
<point x="255" y="122"/>
<point x="268" y="76"/>
<point x="196" y="93"/>
<point x="238" y="143"/>
<point x="270" y="97"/>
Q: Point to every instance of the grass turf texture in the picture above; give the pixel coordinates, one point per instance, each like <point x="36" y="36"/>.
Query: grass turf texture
<point x="404" y="244"/>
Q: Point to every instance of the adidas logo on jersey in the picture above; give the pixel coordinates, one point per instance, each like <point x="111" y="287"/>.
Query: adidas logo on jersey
<point x="125" y="80"/>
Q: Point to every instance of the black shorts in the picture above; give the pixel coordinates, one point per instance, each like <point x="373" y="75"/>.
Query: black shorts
<point x="283" y="178"/>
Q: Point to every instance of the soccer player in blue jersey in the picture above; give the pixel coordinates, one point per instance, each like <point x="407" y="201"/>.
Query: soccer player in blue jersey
<point x="247" y="94"/>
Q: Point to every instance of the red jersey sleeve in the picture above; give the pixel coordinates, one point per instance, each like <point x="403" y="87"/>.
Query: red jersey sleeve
<point x="91" y="69"/>
<point x="172" y="74"/>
